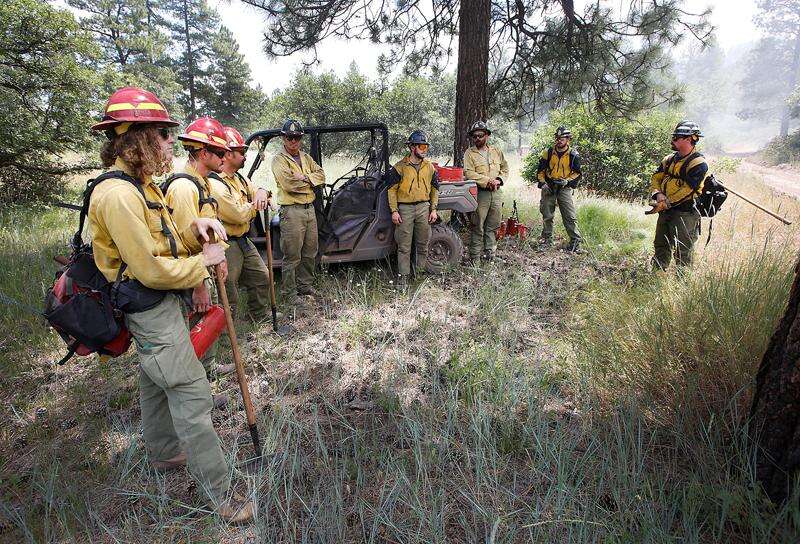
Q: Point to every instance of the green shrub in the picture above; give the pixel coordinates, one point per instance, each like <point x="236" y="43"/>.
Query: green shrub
<point x="617" y="155"/>
<point x="782" y="150"/>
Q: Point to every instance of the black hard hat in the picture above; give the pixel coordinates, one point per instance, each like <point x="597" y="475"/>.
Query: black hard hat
<point x="292" y="128"/>
<point x="688" y="128"/>
<point x="563" y="132"/>
<point x="417" y="137"/>
<point x="479" y="125"/>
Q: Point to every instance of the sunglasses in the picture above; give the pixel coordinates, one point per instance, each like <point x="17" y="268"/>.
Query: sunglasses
<point x="164" y="132"/>
<point x="675" y="138"/>
<point x="478" y="136"/>
<point x="422" y="147"/>
<point x="293" y="138"/>
<point x="219" y="153"/>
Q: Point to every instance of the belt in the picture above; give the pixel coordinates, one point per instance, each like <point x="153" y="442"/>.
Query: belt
<point x="413" y="203"/>
<point x="242" y="241"/>
<point x="309" y="205"/>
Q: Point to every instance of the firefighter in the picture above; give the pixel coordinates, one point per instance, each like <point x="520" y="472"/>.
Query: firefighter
<point x="487" y="167"/>
<point x="238" y="203"/>
<point x="135" y="237"/>
<point x="296" y="176"/>
<point x="558" y="174"/>
<point x="674" y="186"/>
<point x="188" y="194"/>
<point x="413" y="196"/>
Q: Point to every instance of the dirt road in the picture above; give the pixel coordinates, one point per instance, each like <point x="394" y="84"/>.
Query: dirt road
<point x="784" y="180"/>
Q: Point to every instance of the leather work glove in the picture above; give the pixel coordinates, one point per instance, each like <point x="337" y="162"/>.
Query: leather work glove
<point x="659" y="204"/>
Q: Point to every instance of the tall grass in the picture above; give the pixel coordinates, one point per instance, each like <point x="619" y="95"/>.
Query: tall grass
<point x="669" y="338"/>
<point x="553" y="401"/>
<point x="28" y="242"/>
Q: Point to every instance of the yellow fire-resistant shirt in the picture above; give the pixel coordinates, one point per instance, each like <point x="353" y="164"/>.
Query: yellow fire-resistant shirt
<point x="484" y="165"/>
<point x="410" y="184"/>
<point x="294" y="191"/>
<point x="124" y="229"/>
<point x="677" y="183"/>
<point x="183" y="198"/>
<point x="555" y="164"/>
<point x="235" y="202"/>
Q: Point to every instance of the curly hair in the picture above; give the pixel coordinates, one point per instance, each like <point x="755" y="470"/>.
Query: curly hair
<point x="140" y="148"/>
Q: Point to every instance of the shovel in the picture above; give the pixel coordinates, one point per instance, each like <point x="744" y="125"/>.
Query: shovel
<point x="237" y="360"/>
<point x="282" y="330"/>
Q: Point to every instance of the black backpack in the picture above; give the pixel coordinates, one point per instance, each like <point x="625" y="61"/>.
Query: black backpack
<point x="79" y="304"/>
<point x="711" y="198"/>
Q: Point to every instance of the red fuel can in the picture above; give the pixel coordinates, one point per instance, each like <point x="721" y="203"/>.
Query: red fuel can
<point x="207" y="330"/>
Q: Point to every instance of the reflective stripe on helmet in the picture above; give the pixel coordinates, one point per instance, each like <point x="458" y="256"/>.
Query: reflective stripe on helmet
<point x="129" y="106"/>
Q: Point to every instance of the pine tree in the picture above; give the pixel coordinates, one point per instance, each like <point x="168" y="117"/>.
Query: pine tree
<point x="774" y="65"/>
<point x="227" y="93"/>
<point x="133" y="47"/>
<point x="192" y="24"/>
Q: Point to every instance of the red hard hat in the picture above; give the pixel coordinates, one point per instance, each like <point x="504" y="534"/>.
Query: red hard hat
<point x="235" y="139"/>
<point x="133" y="105"/>
<point x="206" y="130"/>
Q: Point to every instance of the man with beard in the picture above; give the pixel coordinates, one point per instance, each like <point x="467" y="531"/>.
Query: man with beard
<point x="188" y="195"/>
<point x="487" y="167"/>
<point x="238" y="202"/>
<point x="558" y="174"/>
<point x="675" y="185"/>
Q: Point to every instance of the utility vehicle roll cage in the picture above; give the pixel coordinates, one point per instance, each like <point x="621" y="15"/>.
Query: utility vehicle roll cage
<point x="376" y="162"/>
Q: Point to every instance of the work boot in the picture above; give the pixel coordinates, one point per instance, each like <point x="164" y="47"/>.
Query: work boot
<point x="220" y="401"/>
<point x="172" y="463"/>
<point x="574" y="246"/>
<point x="468" y="260"/>
<point x="236" y="510"/>
<point x="545" y="242"/>
<point x="401" y="283"/>
<point x="307" y="290"/>
<point x="488" y="256"/>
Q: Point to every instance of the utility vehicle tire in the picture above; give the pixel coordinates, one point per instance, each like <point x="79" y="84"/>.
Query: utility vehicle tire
<point x="444" y="249"/>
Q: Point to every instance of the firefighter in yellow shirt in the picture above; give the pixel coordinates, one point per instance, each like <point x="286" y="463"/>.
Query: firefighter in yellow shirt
<point x="674" y="186"/>
<point x="296" y="175"/>
<point x="133" y="233"/>
<point x="487" y="167"/>
<point x="558" y="174"/>
<point x="188" y="195"/>
<point x="238" y="201"/>
<point x="413" y="196"/>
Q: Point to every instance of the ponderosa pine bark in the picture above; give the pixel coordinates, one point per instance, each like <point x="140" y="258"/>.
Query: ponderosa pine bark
<point x="775" y="412"/>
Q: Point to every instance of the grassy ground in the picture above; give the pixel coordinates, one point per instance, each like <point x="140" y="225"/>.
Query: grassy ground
<point x="540" y="398"/>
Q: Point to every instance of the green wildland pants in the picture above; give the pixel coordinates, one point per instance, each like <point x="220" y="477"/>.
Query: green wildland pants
<point x="675" y="231"/>
<point x="247" y="268"/>
<point x="484" y="222"/>
<point x="175" y="396"/>
<point x="414" y="228"/>
<point x="209" y="360"/>
<point x="547" y="205"/>
<point x="299" y="241"/>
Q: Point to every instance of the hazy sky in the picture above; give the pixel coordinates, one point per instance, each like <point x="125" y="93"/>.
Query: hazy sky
<point x="732" y="18"/>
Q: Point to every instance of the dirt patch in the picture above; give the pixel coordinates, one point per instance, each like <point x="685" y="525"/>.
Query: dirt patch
<point x="784" y="179"/>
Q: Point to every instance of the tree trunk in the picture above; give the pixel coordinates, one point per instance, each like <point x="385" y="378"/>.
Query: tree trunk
<point x="472" y="79"/>
<point x="190" y="62"/>
<point x="775" y="413"/>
